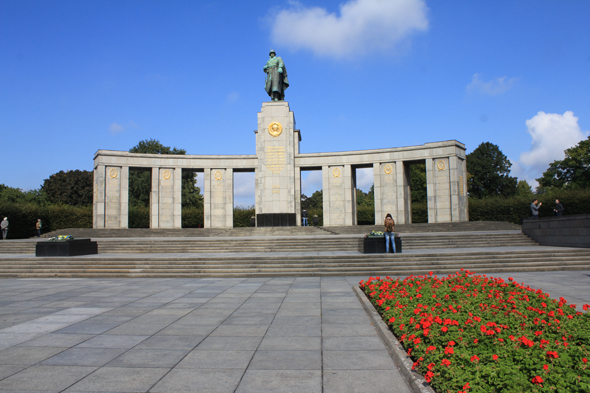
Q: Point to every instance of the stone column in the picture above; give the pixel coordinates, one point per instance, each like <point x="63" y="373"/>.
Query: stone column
<point x="338" y="201"/>
<point x="458" y="179"/>
<point x="177" y="197"/>
<point x="113" y="197"/>
<point x="166" y="197"/>
<point x="384" y="180"/>
<point x="326" y="191"/>
<point x="438" y="187"/>
<point x="207" y="198"/>
<point x="155" y="199"/>
<point x="219" y="198"/>
<point x="98" y="217"/>
<point x="124" y="212"/>
<point x="404" y="213"/>
<point x="298" y="196"/>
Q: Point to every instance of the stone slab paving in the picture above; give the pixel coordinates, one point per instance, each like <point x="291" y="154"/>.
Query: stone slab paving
<point x="204" y="335"/>
<point x="190" y="335"/>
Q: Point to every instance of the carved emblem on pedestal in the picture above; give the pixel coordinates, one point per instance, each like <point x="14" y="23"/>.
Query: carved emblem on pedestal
<point x="113" y="173"/>
<point x="218" y="175"/>
<point x="166" y="175"/>
<point x="275" y="129"/>
<point x="387" y="169"/>
<point x="440" y="165"/>
<point x="336" y="172"/>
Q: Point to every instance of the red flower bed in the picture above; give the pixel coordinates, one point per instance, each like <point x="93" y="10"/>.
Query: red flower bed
<point x="471" y="333"/>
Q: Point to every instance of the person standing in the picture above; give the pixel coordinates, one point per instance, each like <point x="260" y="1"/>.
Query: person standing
<point x="558" y="208"/>
<point x="304" y="216"/>
<point x="38" y="227"/>
<point x="535" y="208"/>
<point x="4" y="226"/>
<point x="389" y="234"/>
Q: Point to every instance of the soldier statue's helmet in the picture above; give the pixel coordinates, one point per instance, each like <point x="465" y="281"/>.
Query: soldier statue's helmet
<point x="272" y="51"/>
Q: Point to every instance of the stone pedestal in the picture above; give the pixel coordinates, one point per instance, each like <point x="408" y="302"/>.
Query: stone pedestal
<point x="277" y="143"/>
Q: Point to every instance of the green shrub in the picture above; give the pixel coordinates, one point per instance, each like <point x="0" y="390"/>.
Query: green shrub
<point x="22" y="218"/>
<point x="419" y="212"/>
<point x="192" y="217"/>
<point x="365" y="215"/>
<point x="139" y="216"/>
<point x="242" y="216"/>
<point x="515" y="208"/>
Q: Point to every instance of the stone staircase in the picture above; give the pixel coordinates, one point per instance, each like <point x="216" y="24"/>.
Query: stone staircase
<point x="305" y="243"/>
<point x="293" y="251"/>
<point x="286" y="264"/>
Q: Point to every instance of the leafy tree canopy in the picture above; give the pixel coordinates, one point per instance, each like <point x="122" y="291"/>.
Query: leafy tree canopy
<point x="418" y="183"/>
<point x="316" y="201"/>
<point x="153" y="146"/>
<point x="140" y="182"/>
<point x="524" y="189"/>
<point x="69" y="188"/>
<point x="366" y="198"/>
<point x="16" y="195"/>
<point x="573" y="172"/>
<point x="489" y="172"/>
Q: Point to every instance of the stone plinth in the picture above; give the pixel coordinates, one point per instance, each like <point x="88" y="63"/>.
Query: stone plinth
<point x="276" y="146"/>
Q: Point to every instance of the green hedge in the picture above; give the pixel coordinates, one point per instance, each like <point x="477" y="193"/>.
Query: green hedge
<point x="23" y="217"/>
<point x="516" y="208"/>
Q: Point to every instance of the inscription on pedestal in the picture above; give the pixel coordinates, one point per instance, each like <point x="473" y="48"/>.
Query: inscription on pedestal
<point x="275" y="158"/>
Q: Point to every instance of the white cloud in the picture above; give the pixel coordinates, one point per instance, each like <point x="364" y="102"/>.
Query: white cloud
<point x="551" y="134"/>
<point x="364" y="179"/>
<point x="311" y="181"/>
<point x="492" y="87"/>
<point x="361" y="26"/>
<point x="233" y="96"/>
<point x="116" y="128"/>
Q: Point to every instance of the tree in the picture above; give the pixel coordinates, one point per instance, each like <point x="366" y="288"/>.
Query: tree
<point x="489" y="172"/>
<point x="573" y="172"/>
<point x="140" y="181"/>
<point x="366" y="198"/>
<point x="69" y="188"/>
<point x="316" y="201"/>
<point x="418" y="183"/>
<point x="524" y="189"/>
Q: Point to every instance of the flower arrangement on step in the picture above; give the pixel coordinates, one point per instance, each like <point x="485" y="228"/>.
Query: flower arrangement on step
<point x="472" y="333"/>
<point x="61" y="238"/>
<point x="379" y="234"/>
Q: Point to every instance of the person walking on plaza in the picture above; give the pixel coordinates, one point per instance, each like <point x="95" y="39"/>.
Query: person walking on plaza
<point x="38" y="227"/>
<point x="535" y="208"/>
<point x="304" y="216"/>
<point x="389" y="234"/>
<point x="558" y="208"/>
<point x="4" y="226"/>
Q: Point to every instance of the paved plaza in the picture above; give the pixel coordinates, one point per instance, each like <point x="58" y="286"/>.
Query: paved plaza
<point x="204" y="335"/>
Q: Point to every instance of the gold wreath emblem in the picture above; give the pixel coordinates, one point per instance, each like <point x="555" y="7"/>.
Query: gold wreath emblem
<point x="387" y="169"/>
<point x="166" y="175"/>
<point x="336" y="172"/>
<point x="113" y="173"/>
<point x="275" y="128"/>
<point x="440" y="165"/>
<point x="218" y="175"/>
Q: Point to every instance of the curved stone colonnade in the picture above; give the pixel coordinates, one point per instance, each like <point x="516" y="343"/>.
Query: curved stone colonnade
<point x="277" y="166"/>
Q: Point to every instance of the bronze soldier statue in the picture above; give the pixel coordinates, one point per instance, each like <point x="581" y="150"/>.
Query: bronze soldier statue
<point x="276" y="77"/>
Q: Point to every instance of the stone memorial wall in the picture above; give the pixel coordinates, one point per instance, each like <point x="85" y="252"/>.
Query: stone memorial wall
<point x="277" y="165"/>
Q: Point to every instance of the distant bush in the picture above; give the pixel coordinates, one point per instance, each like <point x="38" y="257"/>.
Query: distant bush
<point x="365" y="215"/>
<point x="242" y="216"/>
<point x="516" y="208"/>
<point x="22" y="218"/>
<point x="419" y="212"/>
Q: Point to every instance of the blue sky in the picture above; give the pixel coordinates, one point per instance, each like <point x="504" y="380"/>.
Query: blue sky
<point x="79" y="76"/>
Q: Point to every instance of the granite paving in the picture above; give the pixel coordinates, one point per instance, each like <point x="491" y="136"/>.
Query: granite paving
<point x="277" y="334"/>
